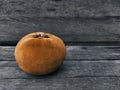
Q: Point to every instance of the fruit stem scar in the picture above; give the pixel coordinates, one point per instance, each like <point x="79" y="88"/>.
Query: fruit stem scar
<point x="42" y="35"/>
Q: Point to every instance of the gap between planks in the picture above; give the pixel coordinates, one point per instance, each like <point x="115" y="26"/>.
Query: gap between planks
<point x="76" y="53"/>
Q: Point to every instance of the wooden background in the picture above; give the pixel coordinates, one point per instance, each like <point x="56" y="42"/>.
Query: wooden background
<point x="90" y="30"/>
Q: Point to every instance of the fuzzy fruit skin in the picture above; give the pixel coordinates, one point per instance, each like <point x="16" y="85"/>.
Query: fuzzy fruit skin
<point x="40" y="56"/>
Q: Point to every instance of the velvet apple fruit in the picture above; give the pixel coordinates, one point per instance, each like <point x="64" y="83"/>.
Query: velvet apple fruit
<point x="40" y="53"/>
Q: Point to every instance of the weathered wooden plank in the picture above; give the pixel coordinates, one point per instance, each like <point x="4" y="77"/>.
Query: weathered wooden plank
<point x="84" y="83"/>
<point x="76" y="53"/>
<point x="93" y="52"/>
<point x="69" y="69"/>
<point x="63" y="8"/>
<point x="69" y="29"/>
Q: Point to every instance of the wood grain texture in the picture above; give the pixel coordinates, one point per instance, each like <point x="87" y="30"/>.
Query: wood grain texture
<point x="69" y="69"/>
<point x="69" y="29"/>
<point x="74" y="53"/>
<point x="60" y="8"/>
<point x="75" y="21"/>
<point x="84" y="83"/>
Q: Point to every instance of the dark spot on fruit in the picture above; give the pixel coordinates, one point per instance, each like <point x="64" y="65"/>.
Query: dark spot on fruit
<point x="41" y="36"/>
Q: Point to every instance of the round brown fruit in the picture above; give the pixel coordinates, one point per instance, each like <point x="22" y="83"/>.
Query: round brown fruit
<point x="40" y="53"/>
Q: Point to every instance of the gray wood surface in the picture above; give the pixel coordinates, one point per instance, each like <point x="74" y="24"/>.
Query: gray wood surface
<point x="74" y="53"/>
<point x="72" y="20"/>
<point x="84" y="83"/>
<point x="60" y="8"/>
<point x="85" y="68"/>
<point x="75" y="21"/>
<point x="69" y="69"/>
<point x="13" y="28"/>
